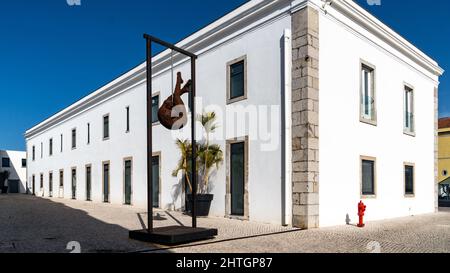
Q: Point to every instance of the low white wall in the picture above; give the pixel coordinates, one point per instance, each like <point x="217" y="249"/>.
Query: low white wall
<point x="17" y="172"/>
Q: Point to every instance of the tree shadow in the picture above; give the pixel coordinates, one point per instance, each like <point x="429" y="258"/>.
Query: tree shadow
<point x="35" y="225"/>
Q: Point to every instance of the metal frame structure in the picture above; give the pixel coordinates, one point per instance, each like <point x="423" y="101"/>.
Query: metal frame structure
<point x="150" y="40"/>
<point x="172" y="235"/>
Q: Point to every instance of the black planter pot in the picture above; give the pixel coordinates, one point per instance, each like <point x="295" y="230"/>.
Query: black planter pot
<point x="203" y="204"/>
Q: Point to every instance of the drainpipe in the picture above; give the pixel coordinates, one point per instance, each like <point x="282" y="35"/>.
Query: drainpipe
<point x="287" y="122"/>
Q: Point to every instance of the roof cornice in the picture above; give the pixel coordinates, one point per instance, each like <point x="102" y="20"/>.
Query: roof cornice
<point x="362" y="17"/>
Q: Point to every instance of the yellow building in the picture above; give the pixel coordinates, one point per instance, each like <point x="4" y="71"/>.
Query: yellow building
<point x="444" y="160"/>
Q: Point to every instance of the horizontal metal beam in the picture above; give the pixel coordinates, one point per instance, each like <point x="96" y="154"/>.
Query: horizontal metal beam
<point x="171" y="46"/>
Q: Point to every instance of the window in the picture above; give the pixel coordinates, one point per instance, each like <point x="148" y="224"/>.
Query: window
<point x="106" y="182"/>
<point x="155" y="108"/>
<point x="74" y="183"/>
<point x="6" y="163"/>
<point x="34" y="153"/>
<point x="74" y="138"/>
<point x="409" y="179"/>
<point x="24" y="163"/>
<point x="156" y="180"/>
<point x="61" y="143"/>
<point x="50" y="184"/>
<point x="42" y="150"/>
<point x="409" y="110"/>
<point x="444" y="173"/>
<point x="128" y="118"/>
<point x="368" y="101"/>
<point x="61" y="179"/>
<point x="88" y="133"/>
<point x="127" y="182"/>
<point x="237" y="177"/>
<point x="50" y="147"/>
<point x="106" y="127"/>
<point x="368" y="177"/>
<point x="88" y="182"/>
<point x="33" y="186"/>
<point x="41" y="181"/>
<point x="237" y="80"/>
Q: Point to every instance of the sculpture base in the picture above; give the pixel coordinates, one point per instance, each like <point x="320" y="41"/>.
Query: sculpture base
<point x="173" y="235"/>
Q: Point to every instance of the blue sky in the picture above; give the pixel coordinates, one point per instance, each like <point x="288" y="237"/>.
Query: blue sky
<point x="52" y="54"/>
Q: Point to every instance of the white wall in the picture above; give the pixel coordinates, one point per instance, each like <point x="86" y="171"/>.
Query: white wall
<point x="17" y="172"/>
<point x="262" y="46"/>
<point x="343" y="138"/>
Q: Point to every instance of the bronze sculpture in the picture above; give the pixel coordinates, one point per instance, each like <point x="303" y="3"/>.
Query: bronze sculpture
<point x="173" y="114"/>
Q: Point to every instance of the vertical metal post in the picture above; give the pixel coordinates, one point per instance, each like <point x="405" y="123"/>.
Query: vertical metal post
<point x="194" y="147"/>
<point x="149" y="138"/>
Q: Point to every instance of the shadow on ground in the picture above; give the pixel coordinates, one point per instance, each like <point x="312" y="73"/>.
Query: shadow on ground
<point x="35" y="225"/>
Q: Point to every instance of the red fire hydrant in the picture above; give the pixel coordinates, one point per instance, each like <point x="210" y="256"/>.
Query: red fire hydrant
<point x="361" y="212"/>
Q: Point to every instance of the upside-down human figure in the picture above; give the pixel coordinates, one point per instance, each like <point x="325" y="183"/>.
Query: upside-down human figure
<point x="172" y="114"/>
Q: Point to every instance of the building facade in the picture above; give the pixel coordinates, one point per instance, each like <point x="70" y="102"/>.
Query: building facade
<point x="318" y="107"/>
<point x="444" y="162"/>
<point x="14" y="162"/>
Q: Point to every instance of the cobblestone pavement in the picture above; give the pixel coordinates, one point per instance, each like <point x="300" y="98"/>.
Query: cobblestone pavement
<point x="30" y="224"/>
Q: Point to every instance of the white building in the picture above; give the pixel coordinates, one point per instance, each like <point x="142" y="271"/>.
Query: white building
<point x="351" y="107"/>
<point x="14" y="162"/>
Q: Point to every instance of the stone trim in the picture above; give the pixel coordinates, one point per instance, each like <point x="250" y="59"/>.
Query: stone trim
<point x="124" y="160"/>
<point x="228" y="214"/>
<point x="305" y="118"/>
<point x="229" y="64"/>
<point x="413" y="165"/>
<point x="375" y="184"/>
<point x="374" y="121"/>
<point x="104" y="163"/>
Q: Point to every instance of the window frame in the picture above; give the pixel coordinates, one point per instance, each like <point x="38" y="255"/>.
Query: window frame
<point x="73" y="144"/>
<point x="62" y="142"/>
<point x="375" y="186"/>
<point x="61" y="181"/>
<point x="366" y="65"/>
<point x="157" y="94"/>
<point x="124" y="180"/>
<point x="409" y="131"/>
<point x="413" y="194"/>
<point x="86" y="167"/>
<point x="228" y="80"/>
<point x="41" y="181"/>
<point x="127" y="119"/>
<point x="8" y="160"/>
<point x="73" y="194"/>
<point x="50" y="147"/>
<point x="104" y="163"/>
<point x="228" y="212"/>
<point x="103" y="127"/>
<point x="50" y="184"/>
<point x="88" y="127"/>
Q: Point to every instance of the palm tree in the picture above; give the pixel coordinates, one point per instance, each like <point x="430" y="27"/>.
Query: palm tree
<point x="208" y="121"/>
<point x="184" y="164"/>
<point x="209" y="156"/>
